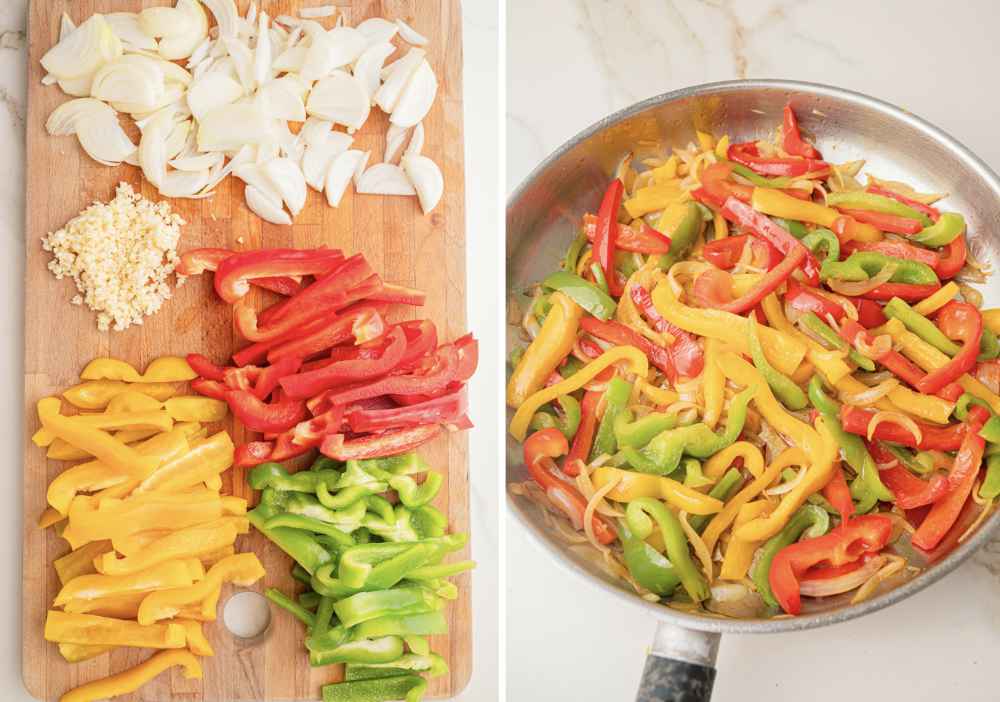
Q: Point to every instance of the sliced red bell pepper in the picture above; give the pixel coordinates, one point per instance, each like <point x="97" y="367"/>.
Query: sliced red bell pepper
<point x="467" y="349"/>
<point x="545" y="443"/>
<point x="390" y="443"/>
<point x="717" y="181"/>
<point x="209" y="388"/>
<point x="713" y="288"/>
<point x="269" y="377"/>
<point x="896" y="249"/>
<point x="885" y="222"/>
<point x="310" y="383"/>
<point x="621" y="335"/>
<point x="204" y="367"/>
<point x="949" y="438"/>
<point x="584" y="437"/>
<point x="792" y="141"/>
<point x="641" y="239"/>
<point x="894" y="361"/>
<point x="826" y="573"/>
<point x="725" y="253"/>
<point x="931" y="212"/>
<point x="839" y="494"/>
<point x="870" y="314"/>
<point x="446" y="409"/>
<point x="763" y="226"/>
<point x="847" y="543"/>
<point x="399" y="295"/>
<point x="769" y="282"/>
<point x="355" y="323"/>
<point x="198" y="261"/>
<point x="234" y="273"/>
<point x="747" y="154"/>
<point x="687" y="354"/>
<point x="802" y="299"/>
<point x="905" y="291"/>
<point x="604" y="234"/>
<point x="959" y="321"/>
<point x="910" y="491"/>
<point x="257" y="415"/>
<point x="952" y="258"/>
<point x="240" y="378"/>
<point x="967" y="462"/>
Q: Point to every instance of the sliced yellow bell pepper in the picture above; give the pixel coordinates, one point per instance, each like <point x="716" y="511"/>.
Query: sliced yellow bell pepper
<point x="779" y="204"/>
<point x="705" y="140"/>
<point x="206" y="459"/>
<point x="632" y="485"/>
<point x="131" y="436"/>
<point x="713" y="384"/>
<point x="61" y="627"/>
<point x="49" y="517"/>
<point x="156" y="420"/>
<point x="133" y="401"/>
<point x="164" y="574"/>
<point x="739" y="553"/>
<point x="81" y="561"/>
<point x="659" y="396"/>
<point x="243" y="569"/>
<point x="96" y="394"/>
<point x="638" y="365"/>
<point x="783" y="351"/>
<point x="671" y="217"/>
<point x="829" y="363"/>
<point x="197" y="642"/>
<point x="124" y="606"/>
<point x="132" y="679"/>
<point x="753" y="460"/>
<point x="210" y="559"/>
<point x="233" y="506"/>
<point x="553" y="343"/>
<point x="194" y="408"/>
<point x="665" y="172"/>
<point x="991" y="318"/>
<point x="655" y="197"/>
<point x="191" y="542"/>
<point x="722" y="148"/>
<point x="168" y="369"/>
<point x="929" y="407"/>
<point x="132" y="544"/>
<point x="931" y="304"/>
<point x="75" y="653"/>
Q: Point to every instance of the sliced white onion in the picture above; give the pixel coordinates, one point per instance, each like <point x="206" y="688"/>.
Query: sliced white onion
<point x="245" y="155"/>
<point x="280" y="100"/>
<point x="173" y="72"/>
<point x="173" y="92"/>
<point x="126" y="27"/>
<point x="242" y="62"/>
<point x="348" y="44"/>
<point x="842" y="583"/>
<point x="134" y="79"/>
<point x="263" y="51"/>
<point x="416" y="146"/>
<point x="291" y="59"/>
<point x="318" y="61"/>
<point x="202" y="162"/>
<point x="395" y="137"/>
<point x="896" y="418"/>
<point x="66" y="26"/>
<point x="384" y="179"/>
<point x="388" y="95"/>
<point x="62" y="121"/>
<point x="267" y="150"/>
<point x="166" y="21"/>
<point x="103" y="138"/>
<point x="180" y="45"/>
<point x="251" y="15"/>
<point x="340" y="98"/>
<point x="378" y="30"/>
<point x="83" y="51"/>
<point x="184" y="184"/>
<point x="77" y="87"/>
<point x="410" y="35"/>
<point x="179" y="138"/>
<point x="318" y="12"/>
<point x="288" y="20"/>
<point x="49" y="79"/>
<point x="212" y="91"/>
<point x="233" y="126"/>
<point x="340" y="174"/>
<point x="200" y="53"/>
<point x="266" y="208"/>
<point x="319" y="156"/>
<point x="368" y="67"/>
<point x="314" y="131"/>
<point x="288" y="180"/>
<point x="225" y="15"/>
<point x="417" y="97"/>
<point x="870" y="396"/>
<point x="427" y="180"/>
<point x="359" y="169"/>
<point x="153" y="150"/>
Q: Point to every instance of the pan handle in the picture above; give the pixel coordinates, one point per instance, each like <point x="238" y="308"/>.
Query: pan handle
<point x="680" y="666"/>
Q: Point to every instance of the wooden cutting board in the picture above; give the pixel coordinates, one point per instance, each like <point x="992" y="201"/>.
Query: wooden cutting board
<point x="402" y="244"/>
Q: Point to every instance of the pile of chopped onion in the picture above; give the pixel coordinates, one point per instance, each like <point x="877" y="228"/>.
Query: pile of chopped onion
<point x="227" y="111"/>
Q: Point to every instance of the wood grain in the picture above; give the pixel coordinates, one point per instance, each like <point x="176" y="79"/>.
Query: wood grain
<point x="401" y="243"/>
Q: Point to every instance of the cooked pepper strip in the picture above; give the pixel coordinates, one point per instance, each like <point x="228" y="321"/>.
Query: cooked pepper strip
<point x="621" y="335"/>
<point x="862" y="265"/>
<point x="856" y="421"/>
<point x="792" y="141"/>
<point x="780" y="238"/>
<point x="616" y="398"/>
<point x="787" y="391"/>
<point x="810" y="520"/>
<point x="748" y="155"/>
<point x="958" y="320"/>
<point x="553" y="343"/>
<point x="606" y="231"/>
<point x="638" y="433"/>
<point x="920" y="325"/>
<point x="859" y="200"/>
<point x="637" y="516"/>
<point x="649" y="567"/>
<point x="567" y="420"/>
<point x="683" y="237"/>
<point x="640" y="238"/>
<point x="132" y="679"/>
<point x="949" y="227"/>
<point x="821" y="329"/>
<point x="884" y="222"/>
<point x="631" y="485"/>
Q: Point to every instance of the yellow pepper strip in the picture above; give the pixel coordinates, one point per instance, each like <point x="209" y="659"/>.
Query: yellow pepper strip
<point x="132" y="679"/>
<point x="205" y="459"/>
<point x="214" y="482"/>
<point x="638" y="365"/>
<point x="991" y="318"/>
<point x="667" y="171"/>
<point x="157" y="420"/>
<point x="724" y="519"/>
<point x="829" y="363"/>
<point x="930" y="358"/>
<point x="96" y="394"/>
<point x="931" y="304"/>
<point x="81" y="561"/>
<point x="60" y="450"/>
<point x="130" y="436"/>
<point x="174" y="573"/>
<point x="849" y="385"/>
<point x="659" y="396"/>
<point x="191" y="542"/>
<point x="210" y="559"/>
<point x="132" y="544"/>
<point x="722" y="148"/>
<point x="96" y="475"/>
<point x="553" y="343"/>
<point x="61" y="627"/>
<point x="705" y="140"/>
<point x="49" y="517"/>
<point x="721" y="226"/>
<point x="654" y="197"/>
<point x="739" y="553"/>
<point x="234" y="506"/>
<point x="744" y="283"/>
<point x="197" y="642"/>
<point x="632" y="485"/>
<point x="133" y="401"/>
<point x="243" y="569"/>
<point x="194" y="408"/>
<point x="75" y="653"/>
<point x="753" y="460"/>
<point x="929" y="407"/>
<point x="124" y="606"/>
<point x="783" y="351"/>
<point x="671" y="217"/>
<point x="779" y="204"/>
<point x="169" y="369"/>
<point x="713" y="384"/>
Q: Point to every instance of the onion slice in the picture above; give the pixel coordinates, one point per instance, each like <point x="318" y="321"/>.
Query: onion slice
<point x="896" y="418"/>
<point x="410" y="35"/>
<point x="427" y="180"/>
<point x="870" y="396"/>
<point x="340" y="173"/>
<point x="860" y="287"/>
<point x="842" y="583"/>
<point x="385" y="179"/>
<point x="83" y="51"/>
<point x="417" y="97"/>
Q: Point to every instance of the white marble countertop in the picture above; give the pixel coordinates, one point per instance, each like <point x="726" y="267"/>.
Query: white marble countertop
<point x="481" y="125"/>
<point x="572" y="62"/>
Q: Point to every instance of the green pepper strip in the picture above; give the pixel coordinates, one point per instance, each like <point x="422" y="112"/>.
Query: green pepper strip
<point x="298" y="544"/>
<point x="358" y="671"/>
<point x="762" y="181"/>
<point x="920" y="325"/>
<point x="920" y="463"/>
<point x="599" y="279"/>
<point x="382" y="507"/>
<point x="372" y="605"/>
<point x="640" y="432"/>
<point x="784" y="388"/>
<point x="615" y="399"/>
<point x="301" y="574"/>
<point x="855" y="452"/>
<point x="989" y="345"/>
<point x="638" y="514"/>
<point x="413" y="495"/>
<point x="821" y="238"/>
<point x="393" y="687"/>
<point x="368" y="651"/>
<point x="662" y="455"/>
<point x="991" y="483"/>
<point x="693" y="475"/>
<point x="962" y="406"/>
<point x="427" y="624"/>
<point x="649" y="567"/>
<point x="729" y="484"/>
<point x="324" y="613"/>
<point x="991" y="430"/>
<point x="567" y="420"/>
<point x="863" y="265"/>
<point x="795" y="227"/>
<point x="948" y="228"/>
<point x="810" y="520"/>
<point x="418" y="645"/>
<point x="683" y="237"/>
<point x="346" y="497"/>
<point x="297" y="521"/>
<point x="572" y="256"/>
<point x="274" y="475"/>
<point x="309" y="599"/>
<point x="325" y="463"/>
<point x="432" y="664"/>
<point x="285" y="602"/>
<point x="380" y="566"/>
<point x="584" y="293"/>
<point x="859" y="200"/>
<point x="441" y="570"/>
<point x="300" y="503"/>
<point x="821" y="329"/>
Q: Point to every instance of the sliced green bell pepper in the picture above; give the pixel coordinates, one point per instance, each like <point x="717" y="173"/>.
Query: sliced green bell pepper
<point x="729" y="484"/>
<point x="615" y="400"/>
<point x="860" y="200"/>
<point x="316" y="526"/>
<point x="990" y="488"/>
<point x="762" y="181"/>
<point x="398" y="602"/>
<point x="427" y="624"/>
<point x="948" y="228"/>
<point x="637" y="517"/>
<point x="794" y="226"/>
<point x="821" y="238"/>
<point x="649" y="567"/>
<point x="300" y="545"/>
<point x="785" y="389"/>
<point x="810" y="520"/>
<point x="572" y="256"/>
<point x="582" y="292"/>
<point x="367" y="651"/>
<point x="864" y="265"/>
<point x="821" y="329"/>
<point x="413" y="495"/>
<point x="683" y="237"/>
<point x="640" y="432"/>
<point x="285" y="602"/>
<point x="393" y="687"/>
<point x="920" y="325"/>
<point x="567" y="420"/>
<point x="274" y="475"/>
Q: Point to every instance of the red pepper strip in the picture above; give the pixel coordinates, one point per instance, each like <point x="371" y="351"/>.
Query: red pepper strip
<point x="885" y="222"/>
<point x="318" y="337"/>
<point x="931" y="212"/>
<point x="717" y="182"/>
<point x="604" y="234"/>
<point x="952" y="258"/>
<point x="713" y="288"/>
<point x="269" y="377"/>
<point x="962" y="478"/>
<point x="233" y="276"/>
<point x="621" y="335"/>
<point x="847" y="543"/>
<point x="856" y="420"/>
<point x="644" y="239"/>
<point x="703" y="196"/>
<point x="256" y="415"/>
<point x="768" y="283"/>
<point x="762" y="226"/>
<point x="687" y="354"/>
<point x="792" y="142"/>
<point x="911" y="491"/>
<point x="584" y="438"/>
<point x="204" y="367"/>
<point x="825" y="573"/>
<point x="802" y="299"/>
<point x="839" y="495"/>
<point x="390" y="443"/>
<point x="240" y="378"/>
<point x="894" y="361"/>
<point x="303" y="385"/>
<point x="446" y="409"/>
<point x="198" y="261"/>
<point x="421" y="339"/>
<point x="959" y="321"/>
<point x="725" y="253"/>
<point x="905" y="291"/>
<point x="870" y="313"/>
<point x="896" y="249"/>
<point x="746" y="153"/>
<point x="468" y="360"/>
<point x="539" y="451"/>
<point x="399" y="295"/>
<point x="209" y="388"/>
<point x="966" y="517"/>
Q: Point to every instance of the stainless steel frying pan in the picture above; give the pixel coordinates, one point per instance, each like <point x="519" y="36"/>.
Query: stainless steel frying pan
<point x="543" y="216"/>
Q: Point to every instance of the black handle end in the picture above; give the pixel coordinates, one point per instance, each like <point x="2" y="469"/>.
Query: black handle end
<point x="673" y="680"/>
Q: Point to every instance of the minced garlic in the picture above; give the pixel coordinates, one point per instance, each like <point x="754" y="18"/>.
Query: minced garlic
<point x="120" y="255"/>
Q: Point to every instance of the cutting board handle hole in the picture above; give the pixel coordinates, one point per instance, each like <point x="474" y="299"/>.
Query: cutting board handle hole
<point x="247" y="616"/>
